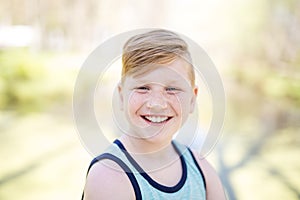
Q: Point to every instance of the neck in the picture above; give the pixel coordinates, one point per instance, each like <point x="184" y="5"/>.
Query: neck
<point x="150" y="155"/>
<point x="138" y="146"/>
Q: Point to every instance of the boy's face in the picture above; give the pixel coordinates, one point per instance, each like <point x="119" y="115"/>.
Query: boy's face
<point x="156" y="104"/>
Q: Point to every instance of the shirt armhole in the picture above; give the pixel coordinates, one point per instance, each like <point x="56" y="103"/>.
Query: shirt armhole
<point x="134" y="183"/>
<point x="198" y="167"/>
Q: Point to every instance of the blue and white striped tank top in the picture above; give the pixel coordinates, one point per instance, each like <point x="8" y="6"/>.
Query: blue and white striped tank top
<point x="191" y="185"/>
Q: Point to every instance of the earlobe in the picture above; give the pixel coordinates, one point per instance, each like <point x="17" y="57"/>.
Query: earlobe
<point x="194" y="99"/>
<point x="120" y="96"/>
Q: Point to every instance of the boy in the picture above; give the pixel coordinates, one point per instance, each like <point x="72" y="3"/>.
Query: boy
<point x="157" y="92"/>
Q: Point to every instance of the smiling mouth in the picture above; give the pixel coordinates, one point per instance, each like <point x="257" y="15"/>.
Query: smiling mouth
<point x="156" y="119"/>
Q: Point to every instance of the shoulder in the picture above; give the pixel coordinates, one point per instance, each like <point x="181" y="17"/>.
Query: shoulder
<point x="214" y="188"/>
<point x="107" y="180"/>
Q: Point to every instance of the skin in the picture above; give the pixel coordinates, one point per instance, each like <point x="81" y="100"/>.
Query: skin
<point x="164" y="93"/>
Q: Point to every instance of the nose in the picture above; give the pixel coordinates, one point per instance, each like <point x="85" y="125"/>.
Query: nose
<point x="156" y="101"/>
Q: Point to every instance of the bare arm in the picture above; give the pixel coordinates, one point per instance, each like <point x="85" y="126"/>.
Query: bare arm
<point x="104" y="182"/>
<point x="214" y="188"/>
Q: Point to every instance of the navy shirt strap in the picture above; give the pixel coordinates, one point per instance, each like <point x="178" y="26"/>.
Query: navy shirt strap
<point x="126" y="169"/>
<point x="198" y="167"/>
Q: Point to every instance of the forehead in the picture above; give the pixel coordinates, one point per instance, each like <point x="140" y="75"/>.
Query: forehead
<point x="175" y="72"/>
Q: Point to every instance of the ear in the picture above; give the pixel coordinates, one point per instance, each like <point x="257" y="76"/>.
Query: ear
<point x="194" y="99"/>
<point x="121" y="99"/>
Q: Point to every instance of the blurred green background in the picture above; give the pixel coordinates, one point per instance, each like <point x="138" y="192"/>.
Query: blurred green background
<point x="255" y="44"/>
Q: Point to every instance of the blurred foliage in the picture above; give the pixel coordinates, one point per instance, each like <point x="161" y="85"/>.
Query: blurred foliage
<point x="270" y="84"/>
<point x="28" y="85"/>
<point x="264" y="94"/>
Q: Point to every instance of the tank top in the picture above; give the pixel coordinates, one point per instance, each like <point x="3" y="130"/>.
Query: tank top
<point x="190" y="186"/>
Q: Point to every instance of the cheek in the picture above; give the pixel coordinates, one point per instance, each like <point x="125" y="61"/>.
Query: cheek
<point x="177" y="102"/>
<point x="180" y="103"/>
<point x="134" y="102"/>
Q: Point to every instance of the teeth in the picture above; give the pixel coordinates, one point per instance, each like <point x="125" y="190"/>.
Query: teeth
<point x="156" y="119"/>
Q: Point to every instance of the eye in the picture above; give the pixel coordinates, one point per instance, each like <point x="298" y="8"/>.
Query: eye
<point x="172" y="90"/>
<point x="142" y="89"/>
